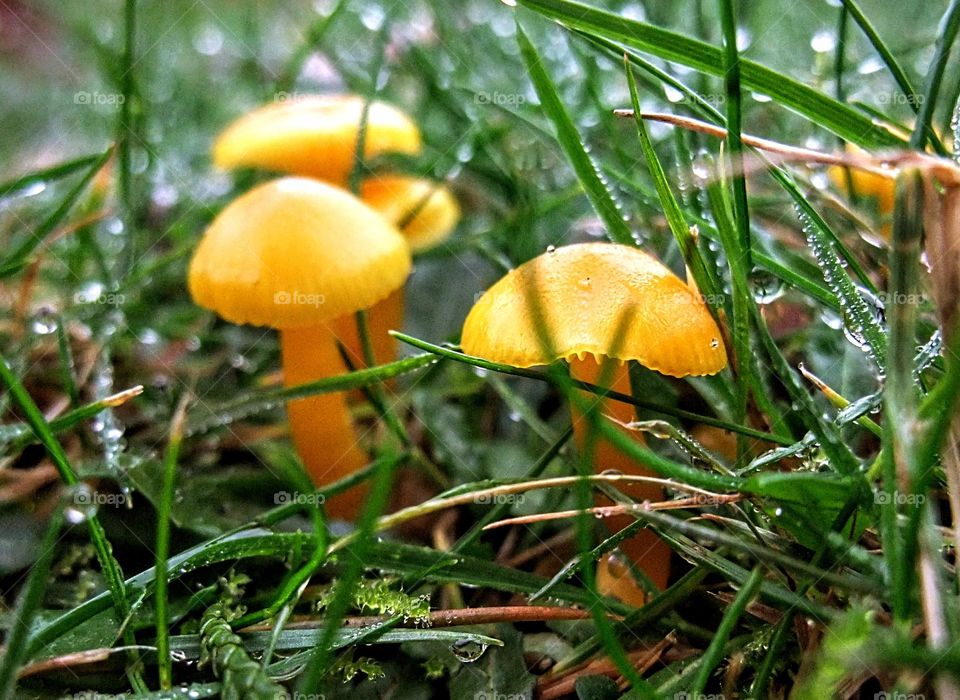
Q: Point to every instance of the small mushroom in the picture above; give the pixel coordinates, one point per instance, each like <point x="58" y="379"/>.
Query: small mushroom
<point x="427" y="214"/>
<point x="599" y="301"/>
<point x="296" y="254"/>
<point x="315" y="136"/>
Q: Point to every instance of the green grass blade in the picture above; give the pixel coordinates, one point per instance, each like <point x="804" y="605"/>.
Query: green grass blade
<point x="110" y="567"/>
<point x="672" y="46"/>
<point x="30" y="599"/>
<point x="671" y="208"/>
<point x="569" y="139"/>
<point x="714" y="654"/>
<point x="734" y="107"/>
<point x="890" y="61"/>
<point x="947" y="34"/>
<point x="51" y="174"/>
<point x="164" y="660"/>
<point x="615" y="395"/>
<point x="18" y="257"/>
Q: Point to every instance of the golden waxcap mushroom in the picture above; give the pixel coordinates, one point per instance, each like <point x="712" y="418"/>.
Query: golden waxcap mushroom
<point x="588" y="294"/>
<point x="295" y="254"/>
<point x="426" y="210"/>
<point x="314" y="136"/>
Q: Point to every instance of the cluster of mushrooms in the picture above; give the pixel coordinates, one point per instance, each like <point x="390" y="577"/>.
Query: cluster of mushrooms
<point x="301" y="254"/>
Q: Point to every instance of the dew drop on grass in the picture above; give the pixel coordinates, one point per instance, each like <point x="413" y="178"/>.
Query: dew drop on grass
<point x="871" y="65"/>
<point x="766" y="287"/>
<point x="823" y="41"/>
<point x="44" y="322"/>
<point x="467" y="650"/>
<point x="672" y="94"/>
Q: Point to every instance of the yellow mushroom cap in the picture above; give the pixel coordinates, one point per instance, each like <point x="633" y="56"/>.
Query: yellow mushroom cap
<point x="296" y="252"/>
<point x="314" y="136"/>
<point x="588" y="294"/>
<point x="399" y="196"/>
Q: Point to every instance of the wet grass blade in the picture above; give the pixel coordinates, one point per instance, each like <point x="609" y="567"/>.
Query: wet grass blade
<point x="672" y="46"/>
<point x="569" y="139"/>
<point x="110" y="567"/>
<point x="29" y="601"/>
<point x="946" y="36"/>
<point x="47" y="175"/>
<point x="617" y="396"/>
<point x="19" y="257"/>
<point x="734" y="108"/>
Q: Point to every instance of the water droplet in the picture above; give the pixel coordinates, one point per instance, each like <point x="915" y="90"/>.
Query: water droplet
<point x="823" y="41"/>
<point x="715" y="343"/>
<point x="766" y="287"/>
<point x="551" y="249"/>
<point x="44" y="322"/>
<point x="467" y="650"/>
<point x="515" y="416"/>
<point x="870" y="65"/>
<point x="760" y="97"/>
<point x="373" y="17"/>
<point x="208" y="41"/>
<point x="672" y="94"/>
<point x="584" y="283"/>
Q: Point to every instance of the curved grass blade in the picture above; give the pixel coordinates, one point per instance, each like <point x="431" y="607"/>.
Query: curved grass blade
<point x="569" y="139"/>
<point x="18" y="257"/>
<point x="541" y="376"/>
<point x="266" y="399"/>
<point x="671" y="46"/>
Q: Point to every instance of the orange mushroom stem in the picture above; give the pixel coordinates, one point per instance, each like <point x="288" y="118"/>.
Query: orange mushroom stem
<point x="645" y="549"/>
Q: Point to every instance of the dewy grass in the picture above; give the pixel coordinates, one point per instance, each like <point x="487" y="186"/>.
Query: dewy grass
<point x="795" y="510"/>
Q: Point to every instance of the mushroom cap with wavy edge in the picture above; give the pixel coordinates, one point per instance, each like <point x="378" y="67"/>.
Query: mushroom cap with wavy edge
<point x="314" y="136"/>
<point x="436" y="212"/>
<point x="583" y="292"/>
<point x="296" y="252"/>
